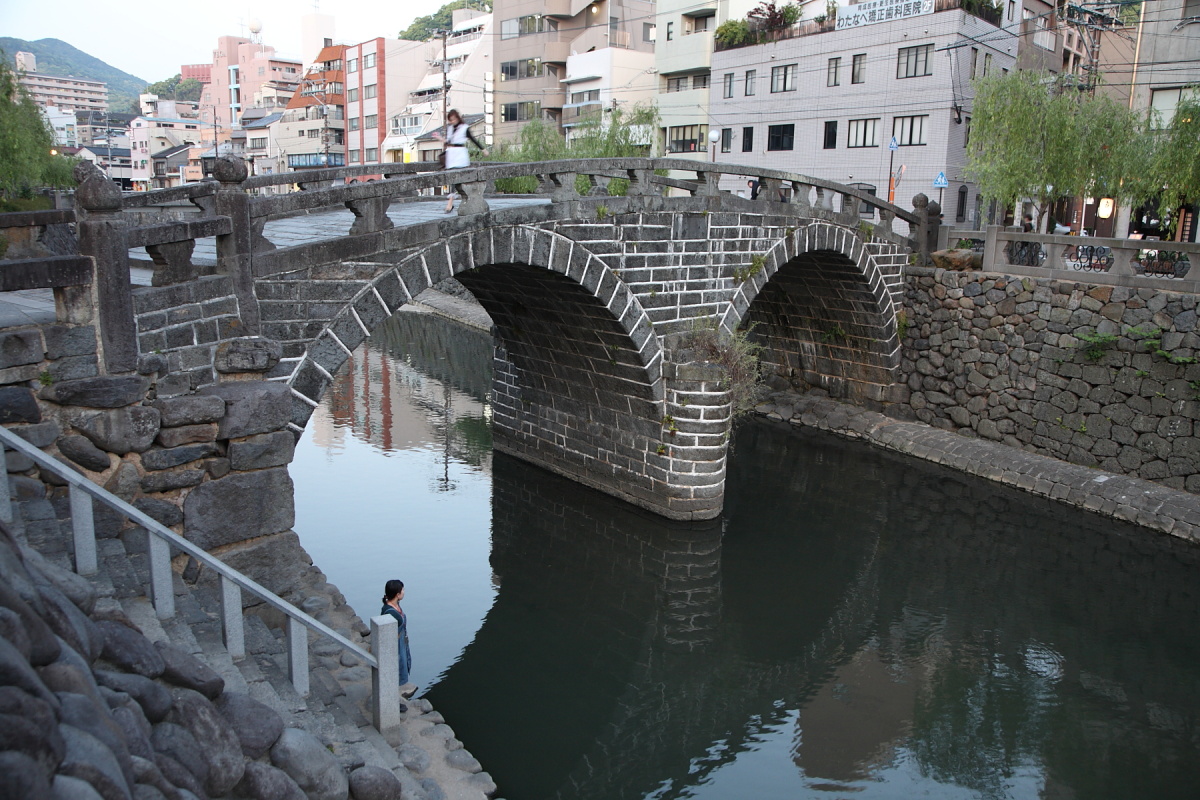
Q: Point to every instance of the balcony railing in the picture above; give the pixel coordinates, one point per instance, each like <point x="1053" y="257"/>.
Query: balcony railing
<point x="809" y="27"/>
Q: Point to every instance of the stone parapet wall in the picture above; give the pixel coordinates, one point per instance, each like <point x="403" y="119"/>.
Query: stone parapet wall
<point x="1101" y="376"/>
<point x="185" y="323"/>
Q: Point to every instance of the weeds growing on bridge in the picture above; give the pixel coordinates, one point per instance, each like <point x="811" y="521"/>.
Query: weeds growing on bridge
<point x="737" y="357"/>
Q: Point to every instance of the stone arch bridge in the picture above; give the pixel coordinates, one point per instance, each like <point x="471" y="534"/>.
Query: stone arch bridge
<point x="598" y="297"/>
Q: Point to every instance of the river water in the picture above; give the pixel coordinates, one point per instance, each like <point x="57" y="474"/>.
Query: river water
<point x="854" y="625"/>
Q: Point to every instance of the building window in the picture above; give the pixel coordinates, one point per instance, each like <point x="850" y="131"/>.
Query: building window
<point x="833" y="76"/>
<point x="726" y="140"/>
<point x="649" y="32"/>
<point x="728" y="85"/>
<point x="371" y="121"/>
<point x="677" y="84"/>
<point x="863" y="133"/>
<point x="368" y="60"/>
<point x="831" y="135"/>
<point x="352" y="65"/>
<point x="960" y="211"/>
<point x="909" y="130"/>
<point x="987" y="64"/>
<point x="352" y="96"/>
<point x="747" y="140"/>
<point x="783" y="79"/>
<point x="300" y="160"/>
<point x="858" y="69"/>
<point x="524" y="68"/>
<point x="686" y="138"/>
<point x="259" y="144"/>
<point x="670" y="31"/>
<point x="352" y="123"/>
<point x="354" y="156"/>
<point x="700" y="81"/>
<point x="699" y="24"/>
<point x="372" y="154"/>
<point x="967" y="133"/>
<point x="510" y="29"/>
<point x="520" y="112"/>
<point x="781" y="137"/>
<point x="585" y="97"/>
<point x="751" y="75"/>
<point x="369" y="91"/>
<point x="1012" y="10"/>
<point x="913" y="62"/>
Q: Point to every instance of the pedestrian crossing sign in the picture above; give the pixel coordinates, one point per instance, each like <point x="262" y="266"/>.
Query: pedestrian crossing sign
<point x="940" y="181"/>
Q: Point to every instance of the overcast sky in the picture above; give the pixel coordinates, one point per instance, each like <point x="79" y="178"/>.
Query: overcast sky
<point x="155" y="40"/>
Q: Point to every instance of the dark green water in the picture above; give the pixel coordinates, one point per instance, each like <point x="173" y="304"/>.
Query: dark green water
<point x="855" y="625"/>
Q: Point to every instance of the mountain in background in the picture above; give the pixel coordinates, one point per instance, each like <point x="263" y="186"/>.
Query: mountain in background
<point x="56" y="57"/>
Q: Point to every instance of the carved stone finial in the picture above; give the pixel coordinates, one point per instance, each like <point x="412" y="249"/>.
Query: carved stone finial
<point x="935" y="209"/>
<point x="95" y="192"/>
<point x="920" y="200"/>
<point x="230" y="169"/>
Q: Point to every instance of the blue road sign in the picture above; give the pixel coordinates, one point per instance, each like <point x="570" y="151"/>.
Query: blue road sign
<point x="940" y="181"/>
<point x="893" y="144"/>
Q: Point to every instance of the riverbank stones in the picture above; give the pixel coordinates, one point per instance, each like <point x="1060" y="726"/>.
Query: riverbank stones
<point x="310" y="764"/>
<point x="257" y="726"/>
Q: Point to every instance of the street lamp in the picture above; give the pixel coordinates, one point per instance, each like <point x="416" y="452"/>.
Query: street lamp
<point x="714" y="136"/>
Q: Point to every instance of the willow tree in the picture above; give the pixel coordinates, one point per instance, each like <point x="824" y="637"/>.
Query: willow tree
<point x="28" y="158"/>
<point x="607" y="133"/>
<point x="1038" y="137"/>
<point x="1175" y="161"/>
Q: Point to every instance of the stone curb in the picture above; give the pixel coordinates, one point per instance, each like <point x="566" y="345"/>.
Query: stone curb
<point x="1120" y="497"/>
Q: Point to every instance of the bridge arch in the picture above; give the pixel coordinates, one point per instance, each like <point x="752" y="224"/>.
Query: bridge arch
<point x="822" y="310"/>
<point x="605" y="336"/>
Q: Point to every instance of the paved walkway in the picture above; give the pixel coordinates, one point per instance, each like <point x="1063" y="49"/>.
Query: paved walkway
<point x="36" y="306"/>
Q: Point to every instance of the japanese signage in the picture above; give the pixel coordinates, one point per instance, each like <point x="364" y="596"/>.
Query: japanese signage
<point x="872" y="11"/>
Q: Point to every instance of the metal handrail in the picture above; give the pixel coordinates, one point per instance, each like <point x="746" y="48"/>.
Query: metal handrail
<point x="383" y="660"/>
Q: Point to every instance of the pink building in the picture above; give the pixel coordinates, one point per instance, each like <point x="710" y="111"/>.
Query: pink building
<point x="240" y="71"/>
<point x="197" y="72"/>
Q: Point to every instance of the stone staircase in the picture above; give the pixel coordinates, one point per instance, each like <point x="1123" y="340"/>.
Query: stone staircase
<point x="422" y="752"/>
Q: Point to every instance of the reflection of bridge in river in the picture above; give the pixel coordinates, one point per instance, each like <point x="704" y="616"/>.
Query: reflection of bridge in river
<point x="649" y="659"/>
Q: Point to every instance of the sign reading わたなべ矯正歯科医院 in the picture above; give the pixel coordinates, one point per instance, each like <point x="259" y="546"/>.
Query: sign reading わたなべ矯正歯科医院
<point x="873" y="11"/>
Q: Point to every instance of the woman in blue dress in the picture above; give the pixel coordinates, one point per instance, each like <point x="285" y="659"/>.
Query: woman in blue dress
<point x="393" y="593"/>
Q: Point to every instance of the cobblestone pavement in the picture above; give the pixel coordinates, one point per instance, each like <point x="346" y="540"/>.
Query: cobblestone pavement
<point x="1135" y="500"/>
<point x="36" y="306"/>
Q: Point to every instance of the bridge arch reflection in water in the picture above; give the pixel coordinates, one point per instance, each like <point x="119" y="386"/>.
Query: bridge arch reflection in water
<point x="853" y="622"/>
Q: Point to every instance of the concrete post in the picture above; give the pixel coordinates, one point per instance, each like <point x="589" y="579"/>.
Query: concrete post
<point x="84" y="531"/>
<point x="162" y="590"/>
<point x="297" y="641"/>
<point x="6" y="509"/>
<point x="102" y="236"/>
<point x="232" y="624"/>
<point x="921" y="234"/>
<point x="991" y="247"/>
<point x="385" y="678"/>
<point x="235" y="250"/>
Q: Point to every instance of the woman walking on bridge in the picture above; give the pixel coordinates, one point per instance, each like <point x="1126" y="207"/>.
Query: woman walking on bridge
<point x="393" y="593"/>
<point x="456" y="137"/>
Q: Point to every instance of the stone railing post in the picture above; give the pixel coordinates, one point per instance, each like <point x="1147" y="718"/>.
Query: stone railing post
<point x="707" y="184"/>
<point x="800" y="198"/>
<point x="563" y="187"/>
<point x="385" y="678"/>
<point x="370" y="215"/>
<point x="235" y="250"/>
<point x="639" y="183"/>
<point x="991" y="248"/>
<point x="475" y="202"/>
<point x="101" y="234"/>
<point x="921" y="234"/>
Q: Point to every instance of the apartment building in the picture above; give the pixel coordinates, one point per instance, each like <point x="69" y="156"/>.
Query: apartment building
<point x="68" y="94"/>
<point x="115" y="162"/>
<point x="683" y="56"/>
<point x="243" y="73"/>
<point x="62" y="122"/>
<point x="312" y="132"/>
<point x="151" y="136"/>
<point x="419" y="82"/>
<point x="538" y="37"/>
<point x="880" y="94"/>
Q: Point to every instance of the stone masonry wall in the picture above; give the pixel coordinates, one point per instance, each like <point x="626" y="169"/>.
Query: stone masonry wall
<point x="184" y="323"/>
<point x="1101" y="376"/>
<point x="211" y="464"/>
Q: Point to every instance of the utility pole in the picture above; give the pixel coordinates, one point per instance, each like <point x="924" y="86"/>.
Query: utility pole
<point x="445" y="80"/>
